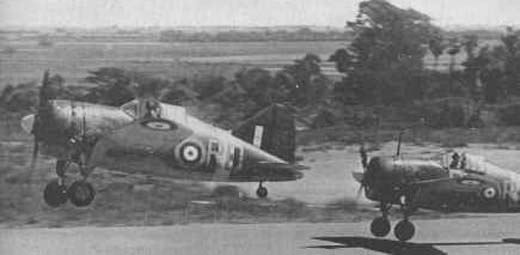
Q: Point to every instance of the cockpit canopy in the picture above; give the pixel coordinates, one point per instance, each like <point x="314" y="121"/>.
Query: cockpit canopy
<point x="473" y="163"/>
<point x="139" y="109"/>
<point x="153" y="108"/>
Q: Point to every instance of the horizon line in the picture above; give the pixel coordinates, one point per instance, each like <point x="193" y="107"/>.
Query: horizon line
<point x="234" y="26"/>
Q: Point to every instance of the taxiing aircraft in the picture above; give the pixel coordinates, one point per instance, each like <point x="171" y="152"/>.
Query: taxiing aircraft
<point x="154" y="138"/>
<point x="460" y="182"/>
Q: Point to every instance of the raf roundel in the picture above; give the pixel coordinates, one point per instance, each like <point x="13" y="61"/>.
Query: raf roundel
<point x="158" y="125"/>
<point x="190" y="153"/>
<point x="489" y="193"/>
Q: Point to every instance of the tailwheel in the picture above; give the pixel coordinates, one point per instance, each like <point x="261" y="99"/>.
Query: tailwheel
<point x="380" y="226"/>
<point x="261" y="192"/>
<point x="404" y="230"/>
<point x="55" y="194"/>
<point x="81" y="193"/>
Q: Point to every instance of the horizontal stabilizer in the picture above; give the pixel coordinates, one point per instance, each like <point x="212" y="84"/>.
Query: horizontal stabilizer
<point x="281" y="166"/>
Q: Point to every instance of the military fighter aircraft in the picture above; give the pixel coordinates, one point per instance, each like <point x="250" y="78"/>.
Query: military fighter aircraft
<point x="154" y="138"/>
<point x="460" y="182"/>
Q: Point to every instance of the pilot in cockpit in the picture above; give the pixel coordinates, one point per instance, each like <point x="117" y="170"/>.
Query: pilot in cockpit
<point x="153" y="110"/>
<point x="455" y="158"/>
<point x="463" y="161"/>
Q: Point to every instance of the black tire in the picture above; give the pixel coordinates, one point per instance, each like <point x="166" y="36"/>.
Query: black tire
<point x="81" y="193"/>
<point x="404" y="230"/>
<point x="380" y="227"/>
<point x="261" y="192"/>
<point x="55" y="194"/>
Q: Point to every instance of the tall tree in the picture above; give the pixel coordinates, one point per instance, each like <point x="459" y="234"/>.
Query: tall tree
<point x="453" y="50"/>
<point x="386" y="54"/>
<point x="304" y="80"/>
<point x="511" y="48"/>
<point x="472" y="65"/>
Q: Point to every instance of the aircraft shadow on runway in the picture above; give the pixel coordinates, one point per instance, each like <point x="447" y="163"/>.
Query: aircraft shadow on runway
<point x="397" y="247"/>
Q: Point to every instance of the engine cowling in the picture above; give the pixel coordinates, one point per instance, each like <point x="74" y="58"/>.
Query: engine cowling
<point x="385" y="177"/>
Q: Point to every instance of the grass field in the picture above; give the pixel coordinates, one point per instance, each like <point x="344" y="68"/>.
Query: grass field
<point x="72" y="60"/>
<point x="26" y="61"/>
<point x="135" y="200"/>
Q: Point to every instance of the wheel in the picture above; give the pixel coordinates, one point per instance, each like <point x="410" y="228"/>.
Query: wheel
<point x="55" y="194"/>
<point x="380" y="227"/>
<point x="261" y="192"/>
<point x="81" y="193"/>
<point x="404" y="230"/>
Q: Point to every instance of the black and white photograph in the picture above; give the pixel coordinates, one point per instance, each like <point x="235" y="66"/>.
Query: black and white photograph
<point x="208" y="127"/>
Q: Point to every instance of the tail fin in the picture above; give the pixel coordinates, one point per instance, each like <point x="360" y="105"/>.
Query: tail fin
<point x="272" y="129"/>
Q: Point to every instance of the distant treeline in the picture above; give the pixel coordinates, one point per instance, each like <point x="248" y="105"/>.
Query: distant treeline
<point x="302" y="34"/>
<point x="483" y="34"/>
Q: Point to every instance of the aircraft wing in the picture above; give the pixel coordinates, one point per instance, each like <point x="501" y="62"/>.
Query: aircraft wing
<point x="432" y="181"/>
<point x="436" y="192"/>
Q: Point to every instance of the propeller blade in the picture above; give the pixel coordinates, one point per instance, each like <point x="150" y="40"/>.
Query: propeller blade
<point x="399" y="141"/>
<point x="45" y="94"/>
<point x="27" y="123"/>
<point x="36" y="119"/>
<point x="364" y="156"/>
<point x="359" y="192"/>
<point x="359" y="177"/>
<point x="36" y="149"/>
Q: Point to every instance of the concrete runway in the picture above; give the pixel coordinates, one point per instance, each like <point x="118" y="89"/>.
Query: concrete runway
<point x="496" y="234"/>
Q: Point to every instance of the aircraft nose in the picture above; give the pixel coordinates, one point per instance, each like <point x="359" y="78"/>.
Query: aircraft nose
<point x="27" y="123"/>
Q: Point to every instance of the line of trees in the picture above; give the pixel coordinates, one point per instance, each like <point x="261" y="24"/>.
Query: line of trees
<point x="299" y="84"/>
<point x="302" y="34"/>
<point x="384" y="65"/>
<point x="385" y="61"/>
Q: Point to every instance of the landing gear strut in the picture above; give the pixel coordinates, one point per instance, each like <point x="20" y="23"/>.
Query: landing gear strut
<point x="261" y="192"/>
<point x="380" y="226"/>
<point x="80" y="193"/>
<point x="55" y="193"/>
<point x="405" y="230"/>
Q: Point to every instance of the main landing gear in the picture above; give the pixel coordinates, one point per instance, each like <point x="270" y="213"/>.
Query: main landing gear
<point x="80" y="193"/>
<point x="261" y="192"/>
<point x="380" y="226"/>
<point x="403" y="231"/>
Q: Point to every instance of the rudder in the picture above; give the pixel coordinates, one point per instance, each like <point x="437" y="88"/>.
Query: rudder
<point x="272" y="129"/>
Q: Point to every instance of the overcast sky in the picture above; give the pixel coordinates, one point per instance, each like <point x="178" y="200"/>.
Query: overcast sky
<point x="92" y="13"/>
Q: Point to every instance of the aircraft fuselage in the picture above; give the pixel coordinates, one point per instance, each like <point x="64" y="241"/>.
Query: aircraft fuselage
<point x="176" y="145"/>
<point x="429" y="185"/>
